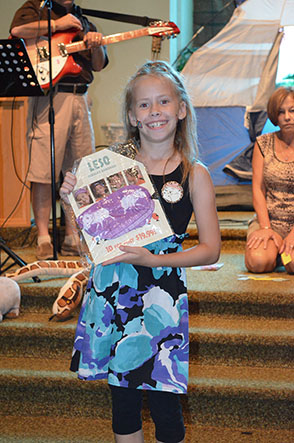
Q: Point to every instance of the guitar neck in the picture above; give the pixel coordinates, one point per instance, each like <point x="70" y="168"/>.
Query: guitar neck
<point x="108" y="40"/>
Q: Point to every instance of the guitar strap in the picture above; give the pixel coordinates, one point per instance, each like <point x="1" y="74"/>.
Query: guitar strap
<point x="126" y="18"/>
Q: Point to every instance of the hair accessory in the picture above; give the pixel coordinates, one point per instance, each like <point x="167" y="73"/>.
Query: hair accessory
<point x="139" y="124"/>
<point x="80" y="191"/>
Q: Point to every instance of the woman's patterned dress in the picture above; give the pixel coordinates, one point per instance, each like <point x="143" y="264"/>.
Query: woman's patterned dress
<point x="279" y="182"/>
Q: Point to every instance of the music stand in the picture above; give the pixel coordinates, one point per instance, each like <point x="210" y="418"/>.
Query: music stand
<point x="17" y="75"/>
<point x="17" y="79"/>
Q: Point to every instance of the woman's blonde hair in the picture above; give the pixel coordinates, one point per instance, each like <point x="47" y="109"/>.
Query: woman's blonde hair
<point x="185" y="137"/>
<point x="275" y="102"/>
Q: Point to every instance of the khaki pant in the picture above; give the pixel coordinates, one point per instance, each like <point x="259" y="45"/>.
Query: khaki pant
<point x="73" y="134"/>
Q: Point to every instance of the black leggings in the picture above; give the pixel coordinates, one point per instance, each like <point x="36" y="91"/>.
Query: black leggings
<point x="165" y="409"/>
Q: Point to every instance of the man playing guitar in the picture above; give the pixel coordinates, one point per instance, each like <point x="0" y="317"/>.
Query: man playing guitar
<point x="74" y="136"/>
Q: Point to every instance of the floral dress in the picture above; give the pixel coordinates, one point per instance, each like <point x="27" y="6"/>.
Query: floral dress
<point x="133" y="325"/>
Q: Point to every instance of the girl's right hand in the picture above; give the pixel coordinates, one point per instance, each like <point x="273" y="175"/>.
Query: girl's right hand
<point x="263" y="236"/>
<point x="67" y="186"/>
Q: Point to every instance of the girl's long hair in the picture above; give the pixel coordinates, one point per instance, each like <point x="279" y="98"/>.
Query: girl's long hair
<point x="186" y="136"/>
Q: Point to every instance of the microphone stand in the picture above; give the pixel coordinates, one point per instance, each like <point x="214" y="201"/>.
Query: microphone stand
<point x="51" y="118"/>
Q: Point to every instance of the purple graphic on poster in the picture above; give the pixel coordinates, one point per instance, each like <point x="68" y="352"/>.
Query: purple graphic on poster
<point x="122" y="211"/>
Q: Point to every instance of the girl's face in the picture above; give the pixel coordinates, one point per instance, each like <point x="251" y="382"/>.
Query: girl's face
<point x="286" y="114"/>
<point x="100" y="188"/>
<point x="116" y="181"/>
<point x="132" y="179"/>
<point x="83" y="199"/>
<point x="157" y="107"/>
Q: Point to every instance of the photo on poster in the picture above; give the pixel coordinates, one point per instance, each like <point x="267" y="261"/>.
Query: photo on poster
<point x="82" y="197"/>
<point x="99" y="189"/>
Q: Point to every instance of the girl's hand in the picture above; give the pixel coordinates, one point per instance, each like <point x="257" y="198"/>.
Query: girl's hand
<point x="288" y="244"/>
<point x="134" y="255"/>
<point x="263" y="235"/>
<point x="67" y="186"/>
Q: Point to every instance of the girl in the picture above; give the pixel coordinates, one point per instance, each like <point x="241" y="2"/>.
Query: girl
<point x="133" y="326"/>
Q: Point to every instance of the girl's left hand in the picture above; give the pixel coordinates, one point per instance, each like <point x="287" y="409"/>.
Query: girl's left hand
<point x="67" y="186"/>
<point x="288" y="244"/>
<point x="134" y="255"/>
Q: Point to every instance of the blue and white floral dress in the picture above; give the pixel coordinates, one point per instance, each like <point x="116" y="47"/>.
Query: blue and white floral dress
<point x="133" y="326"/>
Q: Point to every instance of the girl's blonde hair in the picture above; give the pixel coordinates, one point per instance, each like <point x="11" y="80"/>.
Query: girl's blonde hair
<point x="185" y="137"/>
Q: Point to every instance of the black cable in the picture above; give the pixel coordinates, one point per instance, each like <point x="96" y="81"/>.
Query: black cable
<point x="12" y="146"/>
<point x="23" y="183"/>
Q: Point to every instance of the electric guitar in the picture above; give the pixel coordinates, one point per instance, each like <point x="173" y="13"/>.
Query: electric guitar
<point x="63" y="63"/>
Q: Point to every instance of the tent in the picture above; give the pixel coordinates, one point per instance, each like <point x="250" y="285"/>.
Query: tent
<point x="230" y="79"/>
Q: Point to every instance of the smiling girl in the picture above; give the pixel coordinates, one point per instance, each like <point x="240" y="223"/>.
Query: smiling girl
<point x="133" y="327"/>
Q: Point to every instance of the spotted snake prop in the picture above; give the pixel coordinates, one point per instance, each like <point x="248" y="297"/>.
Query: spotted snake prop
<point x="70" y="295"/>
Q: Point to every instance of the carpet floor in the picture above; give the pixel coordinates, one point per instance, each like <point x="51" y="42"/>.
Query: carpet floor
<point x="241" y="384"/>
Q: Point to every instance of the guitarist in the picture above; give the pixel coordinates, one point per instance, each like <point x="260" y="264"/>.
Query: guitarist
<point x="74" y="135"/>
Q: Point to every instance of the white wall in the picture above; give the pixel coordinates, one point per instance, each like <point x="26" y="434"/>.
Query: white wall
<point x="124" y="57"/>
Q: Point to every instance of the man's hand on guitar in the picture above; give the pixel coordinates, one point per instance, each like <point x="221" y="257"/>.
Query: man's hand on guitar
<point x="68" y="21"/>
<point x="93" y="40"/>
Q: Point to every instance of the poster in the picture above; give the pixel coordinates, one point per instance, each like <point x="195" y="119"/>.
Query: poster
<point x="115" y="203"/>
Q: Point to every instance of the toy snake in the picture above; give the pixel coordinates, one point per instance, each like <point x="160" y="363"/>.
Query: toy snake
<point x="70" y="295"/>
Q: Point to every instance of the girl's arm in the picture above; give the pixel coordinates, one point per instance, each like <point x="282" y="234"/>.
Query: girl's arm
<point x="208" y="249"/>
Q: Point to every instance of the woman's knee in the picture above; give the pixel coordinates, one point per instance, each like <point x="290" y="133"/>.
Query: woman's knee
<point x="259" y="261"/>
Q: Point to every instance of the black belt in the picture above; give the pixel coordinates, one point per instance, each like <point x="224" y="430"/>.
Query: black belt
<point x="74" y="89"/>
